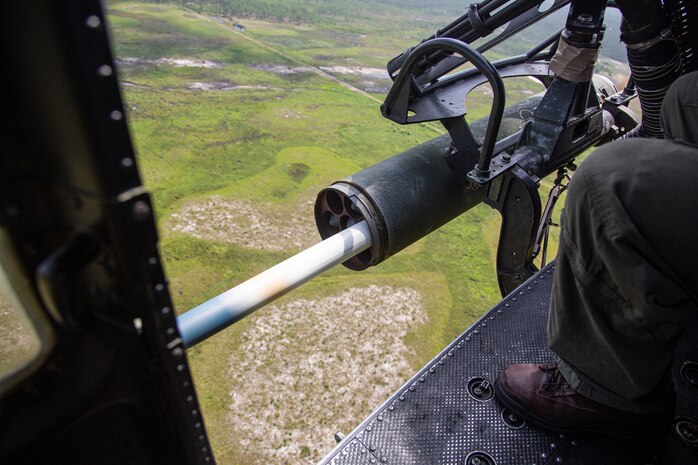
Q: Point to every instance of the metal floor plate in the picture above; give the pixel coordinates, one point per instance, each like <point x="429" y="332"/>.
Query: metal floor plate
<point x="446" y="414"/>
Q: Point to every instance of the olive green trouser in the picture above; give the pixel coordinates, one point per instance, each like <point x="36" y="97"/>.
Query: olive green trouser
<point x="626" y="280"/>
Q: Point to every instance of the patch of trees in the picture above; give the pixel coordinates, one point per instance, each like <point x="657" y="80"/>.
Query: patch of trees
<point x="312" y="11"/>
<point x="318" y="11"/>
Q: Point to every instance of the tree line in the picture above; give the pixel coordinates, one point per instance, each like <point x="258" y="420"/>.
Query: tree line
<point x="310" y="11"/>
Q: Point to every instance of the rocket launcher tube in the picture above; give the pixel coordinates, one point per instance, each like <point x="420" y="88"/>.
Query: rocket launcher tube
<point x="402" y="199"/>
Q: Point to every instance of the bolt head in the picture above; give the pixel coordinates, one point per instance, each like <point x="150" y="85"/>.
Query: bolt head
<point x="585" y="18"/>
<point x="141" y="210"/>
<point x="93" y="22"/>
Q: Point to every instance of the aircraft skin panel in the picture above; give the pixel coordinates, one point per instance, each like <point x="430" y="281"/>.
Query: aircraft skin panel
<point x="355" y="452"/>
<point x="435" y="418"/>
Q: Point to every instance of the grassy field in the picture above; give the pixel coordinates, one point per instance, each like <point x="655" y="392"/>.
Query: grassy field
<point x="235" y="135"/>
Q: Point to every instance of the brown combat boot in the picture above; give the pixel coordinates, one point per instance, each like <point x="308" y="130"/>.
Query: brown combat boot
<point x="539" y="393"/>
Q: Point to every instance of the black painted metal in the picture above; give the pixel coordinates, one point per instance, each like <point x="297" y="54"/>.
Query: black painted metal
<point x="397" y="102"/>
<point x="569" y="118"/>
<point x="402" y="198"/>
<point x="534" y="62"/>
<point x="433" y="420"/>
<point x="398" y="196"/>
<point x="80" y="243"/>
<point x="624" y="119"/>
<point x="567" y="121"/>
<point x="585" y="26"/>
<point x="465" y="148"/>
<point x="515" y="195"/>
<point x="454" y="88"/>
<point x="515" y="14"/>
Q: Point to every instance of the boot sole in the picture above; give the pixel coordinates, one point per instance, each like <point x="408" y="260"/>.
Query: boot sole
<point x="629" y="432"/>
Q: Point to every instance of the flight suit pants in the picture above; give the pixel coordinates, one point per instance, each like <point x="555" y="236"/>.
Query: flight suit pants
<point x="626" y="279"/>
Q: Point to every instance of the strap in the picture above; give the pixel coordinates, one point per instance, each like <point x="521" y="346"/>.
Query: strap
<point x="476" y="21"/>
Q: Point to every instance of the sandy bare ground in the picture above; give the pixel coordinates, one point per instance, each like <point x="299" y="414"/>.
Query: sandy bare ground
<point x="374" y="73"/>
<point x="252" y="225"/>
<point x="373" y="79"/>
<point x="309" y="367"/>
<point x="175" y="62"/>
<point x="226" y="86"/>
<point x="282" y="70"/>
<point x="18" y="340"/>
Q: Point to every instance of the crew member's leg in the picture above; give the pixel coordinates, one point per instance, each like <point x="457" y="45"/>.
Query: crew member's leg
<point x="625" y="283"/>
<point x="680" y="110"/>
<point x="625" y="278"/>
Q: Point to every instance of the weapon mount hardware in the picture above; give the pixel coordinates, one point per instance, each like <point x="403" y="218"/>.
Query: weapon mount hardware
<point x="559" y="186"/>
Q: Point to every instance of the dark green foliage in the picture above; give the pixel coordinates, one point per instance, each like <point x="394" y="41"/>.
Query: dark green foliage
<point x="298" y="171"/>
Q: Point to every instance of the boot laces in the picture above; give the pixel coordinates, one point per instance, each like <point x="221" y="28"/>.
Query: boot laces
<point x="554" y="379"/>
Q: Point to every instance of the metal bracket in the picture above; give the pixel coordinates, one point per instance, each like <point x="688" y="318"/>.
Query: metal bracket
<point x="515" y="195"/>
<point x="487" y="19"/>
<point x="624" y="119"/>
<point x="559" y="186"/>
<point x="400" y="96"/>
<point x="467" y="150"/>
<point x="621" y="98"/>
